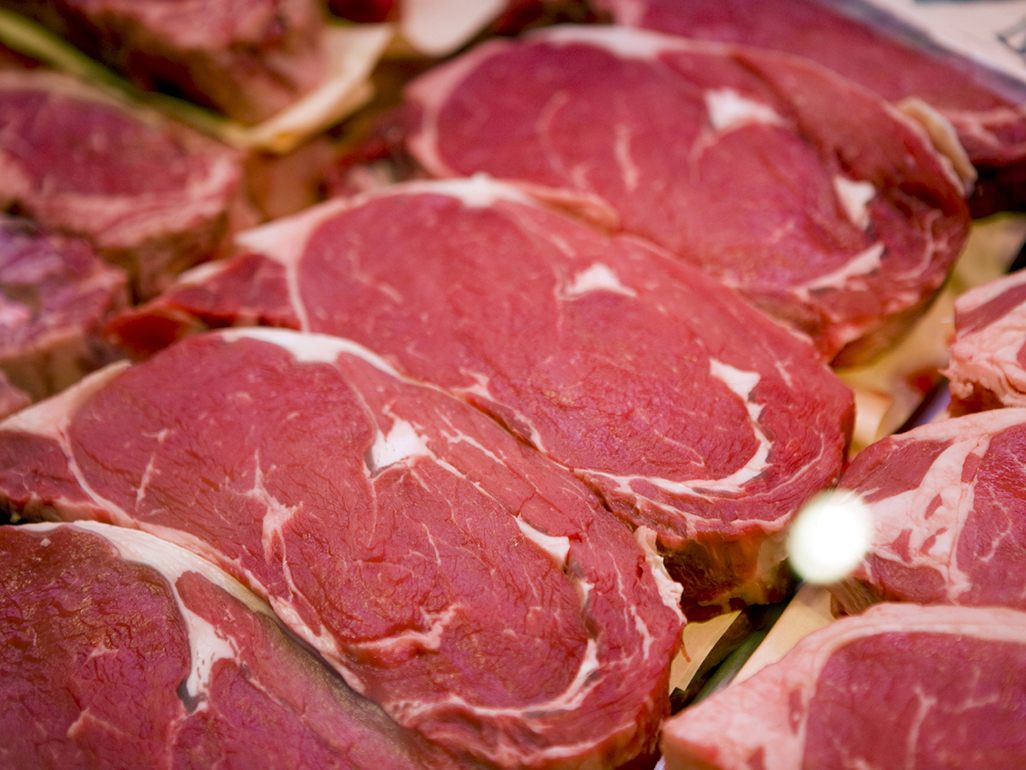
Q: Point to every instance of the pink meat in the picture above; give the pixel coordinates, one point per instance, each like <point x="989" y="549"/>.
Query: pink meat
<point x="687" y="410"/>
<point x="151" y="196"/>
<point x="875" y="50"/>
<point x="776" y="176"/>
<point x="949" y="515"/>
<point x="55" y="294"/>
<point x="247" y="59"/>
<point x="473" y="589"/>
<point x="988" y="355"/>
<point x="121" y="650"/>
<point x="901" y="686"/>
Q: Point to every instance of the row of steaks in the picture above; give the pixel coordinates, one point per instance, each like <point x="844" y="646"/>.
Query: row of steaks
<point x="523" y="413"/>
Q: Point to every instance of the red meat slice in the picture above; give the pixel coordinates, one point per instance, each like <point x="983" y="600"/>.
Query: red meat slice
<point x="988" y="355"/>
<point x="690" y="412"/>
<point x="949" y="514"/>
<point x="247" y="59"/>
<point x="778" y="177"/>
<point x="55" y="294"/>
<point x="901" y="686"/>
<point x="151" y="196"/>
<point x="122" y="650"/>
<point x="878" y="52"/>
<point x="473" y="589"/>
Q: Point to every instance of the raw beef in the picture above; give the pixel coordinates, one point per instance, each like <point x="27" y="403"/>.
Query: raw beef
<point x="988" y="355"/>
<point x="687" y="410"/>
<point x="476" y="591"/>
<point x="778" y="177"/>
<point x="12" y="398"/>
<point x="875" y="50"/>
<point x="247" y="59"/>
<point x="949" y="514"/>
<point x="151" y="196"/>
<point x="901" y="686"/>
<point x="55" y="294"/>
<point x="121" y="650"/>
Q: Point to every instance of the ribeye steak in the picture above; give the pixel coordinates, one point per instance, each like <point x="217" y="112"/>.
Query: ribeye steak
<point x="949" y="514"/>
<point x="901" y="686"/>
<point x="777" y="176"/>
<point x="475" y="590"/>
<point x="122" y="650"/>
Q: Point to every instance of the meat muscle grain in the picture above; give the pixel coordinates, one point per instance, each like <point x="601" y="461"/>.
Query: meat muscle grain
<point x="474" y="590"/>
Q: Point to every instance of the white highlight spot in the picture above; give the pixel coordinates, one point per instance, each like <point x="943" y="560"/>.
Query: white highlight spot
<point x="830" y="536"/>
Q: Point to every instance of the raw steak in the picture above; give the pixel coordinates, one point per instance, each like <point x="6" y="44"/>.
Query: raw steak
<point x="878" y="52"/>
<point x="949" y="514"/>
<point x="778" y="177"/>
<point x="151" y="196"/>
<point x="687" y="410"/>
<point x="12" y="398"/>
<point x="901" y="686"/>
<point x="476" y="591"/>
<point x="55" y="294"/>
<point x="988" y="355"/>
<point x="248" y="59"/>
<point x="122" y="650"/>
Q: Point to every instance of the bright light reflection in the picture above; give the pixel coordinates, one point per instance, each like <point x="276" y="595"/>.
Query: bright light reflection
<point x="830" y="536"/>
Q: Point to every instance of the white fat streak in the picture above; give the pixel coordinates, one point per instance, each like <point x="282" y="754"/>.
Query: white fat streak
<point x="624" y="42"/>
<point x="557" y="547"/>
<point x="990" y="358"/>
<point x="206" y="644"/>
<point x="727" y="109"/>
<point x="402" y="443"/>
<point x="427" y="641"/>
<point x="864" y="263"/>
<point x="477" y="191"/>
<point x="597" y="277"/>
<point x="622" y="153"/>
<point x="670" y="591"/>
<point x="855" y="196"/>
<point x="308" y="347"/>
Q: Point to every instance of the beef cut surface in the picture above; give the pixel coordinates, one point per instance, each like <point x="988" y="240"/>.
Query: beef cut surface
<point x="151" y="196"/>
<point x="474" y="590"/>
<point x="949" y="514"/>
<point x="900" y="686"/>
<point x="984" y="107"/>
<point x="247" y="59"/>
<point x="687" y="410"/>
<point x="776" y="176"/>
<point x="988" y="355"/>
<point x="55" y="293"/>
<point x="122" y="650"/>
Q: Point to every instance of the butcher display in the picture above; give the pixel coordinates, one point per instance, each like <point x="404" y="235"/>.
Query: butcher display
<point x="247" y="59"/>
<point x="150" y="195"/>
<point x="948" y="512"/>
<point x="121" y="650"/>
<point x="901" y="686"/>
<point x="900" y="63"/>
<point x="474" y="590"/>
<point x="613" y="359"/>
<point x="55" y="294"/>
<point x="988" y="355"/>
<point x="776" y="176"/>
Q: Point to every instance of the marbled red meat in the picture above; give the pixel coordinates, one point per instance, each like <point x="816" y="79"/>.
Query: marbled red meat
<point x="809" y="194"/>
<point x="474" y="590"/>
<point x="900" y="686"/>
<point x="119" y="649"/>
<point x="150" y="195"/>
<point x="690" y="412"/>
<point x="948" y="513"/>
<point x="55" y="294"/>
